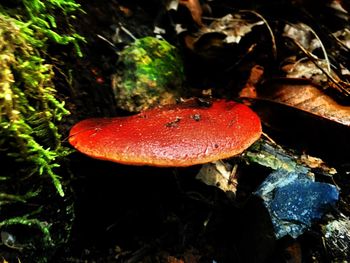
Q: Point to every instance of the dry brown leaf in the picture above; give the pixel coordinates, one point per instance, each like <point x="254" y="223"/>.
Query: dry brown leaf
<point x="221" y="33"/>
<point x="306" y="96"/>
<point x="229" y="29"/>
<point x="233" y="26"/>
<point x="317" y="72"/>
<point x="308" y="70"/>
<point x="196" y="10"/>
<point x="314" y="162"/>
<point x="249" y="89"/>
<point x="302" y="130"/>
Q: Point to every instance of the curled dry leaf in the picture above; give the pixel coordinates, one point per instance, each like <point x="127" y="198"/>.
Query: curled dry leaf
<point x="234" y="27"/>
<point x="229" y="29"/>
<point x="304" y="95"/>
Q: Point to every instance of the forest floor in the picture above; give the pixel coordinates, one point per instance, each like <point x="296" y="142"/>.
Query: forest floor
<point x="147" y="214"/>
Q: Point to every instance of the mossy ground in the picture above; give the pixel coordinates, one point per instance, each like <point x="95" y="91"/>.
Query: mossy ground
<point x="30" y="140"/>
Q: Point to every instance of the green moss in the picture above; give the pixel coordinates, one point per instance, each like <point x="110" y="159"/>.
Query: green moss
<point x="152" y="73"/>
<point x="28" y="107"/>
<point x="30" y="112"/>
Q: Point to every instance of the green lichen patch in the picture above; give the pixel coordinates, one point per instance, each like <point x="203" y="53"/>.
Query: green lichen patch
<point x="152" y="73"/>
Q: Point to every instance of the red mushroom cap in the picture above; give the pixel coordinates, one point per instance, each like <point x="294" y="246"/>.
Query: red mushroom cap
<point x="176" y="135"/>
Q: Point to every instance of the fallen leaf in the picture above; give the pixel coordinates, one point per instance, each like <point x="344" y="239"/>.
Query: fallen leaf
<point x="304" y="131"/>
<point x="305" y="95"/>
<point x="311" y="122"/>
<point x="314" y="162"/>
<point x="317" y="71"/>
<point x="303" y="34"/>
<point x="249" y="90"/>
<point x="219" y="174"/>
<point x="222" y="32"/>
<point x="234" y="27"/>
<point x="308" y="70"/>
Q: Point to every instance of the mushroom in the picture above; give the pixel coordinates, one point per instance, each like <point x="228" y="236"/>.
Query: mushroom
<point x="185" y="134"/>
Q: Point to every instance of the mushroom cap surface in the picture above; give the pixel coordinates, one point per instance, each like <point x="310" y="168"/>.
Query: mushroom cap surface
<point x="184" y="134"/>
